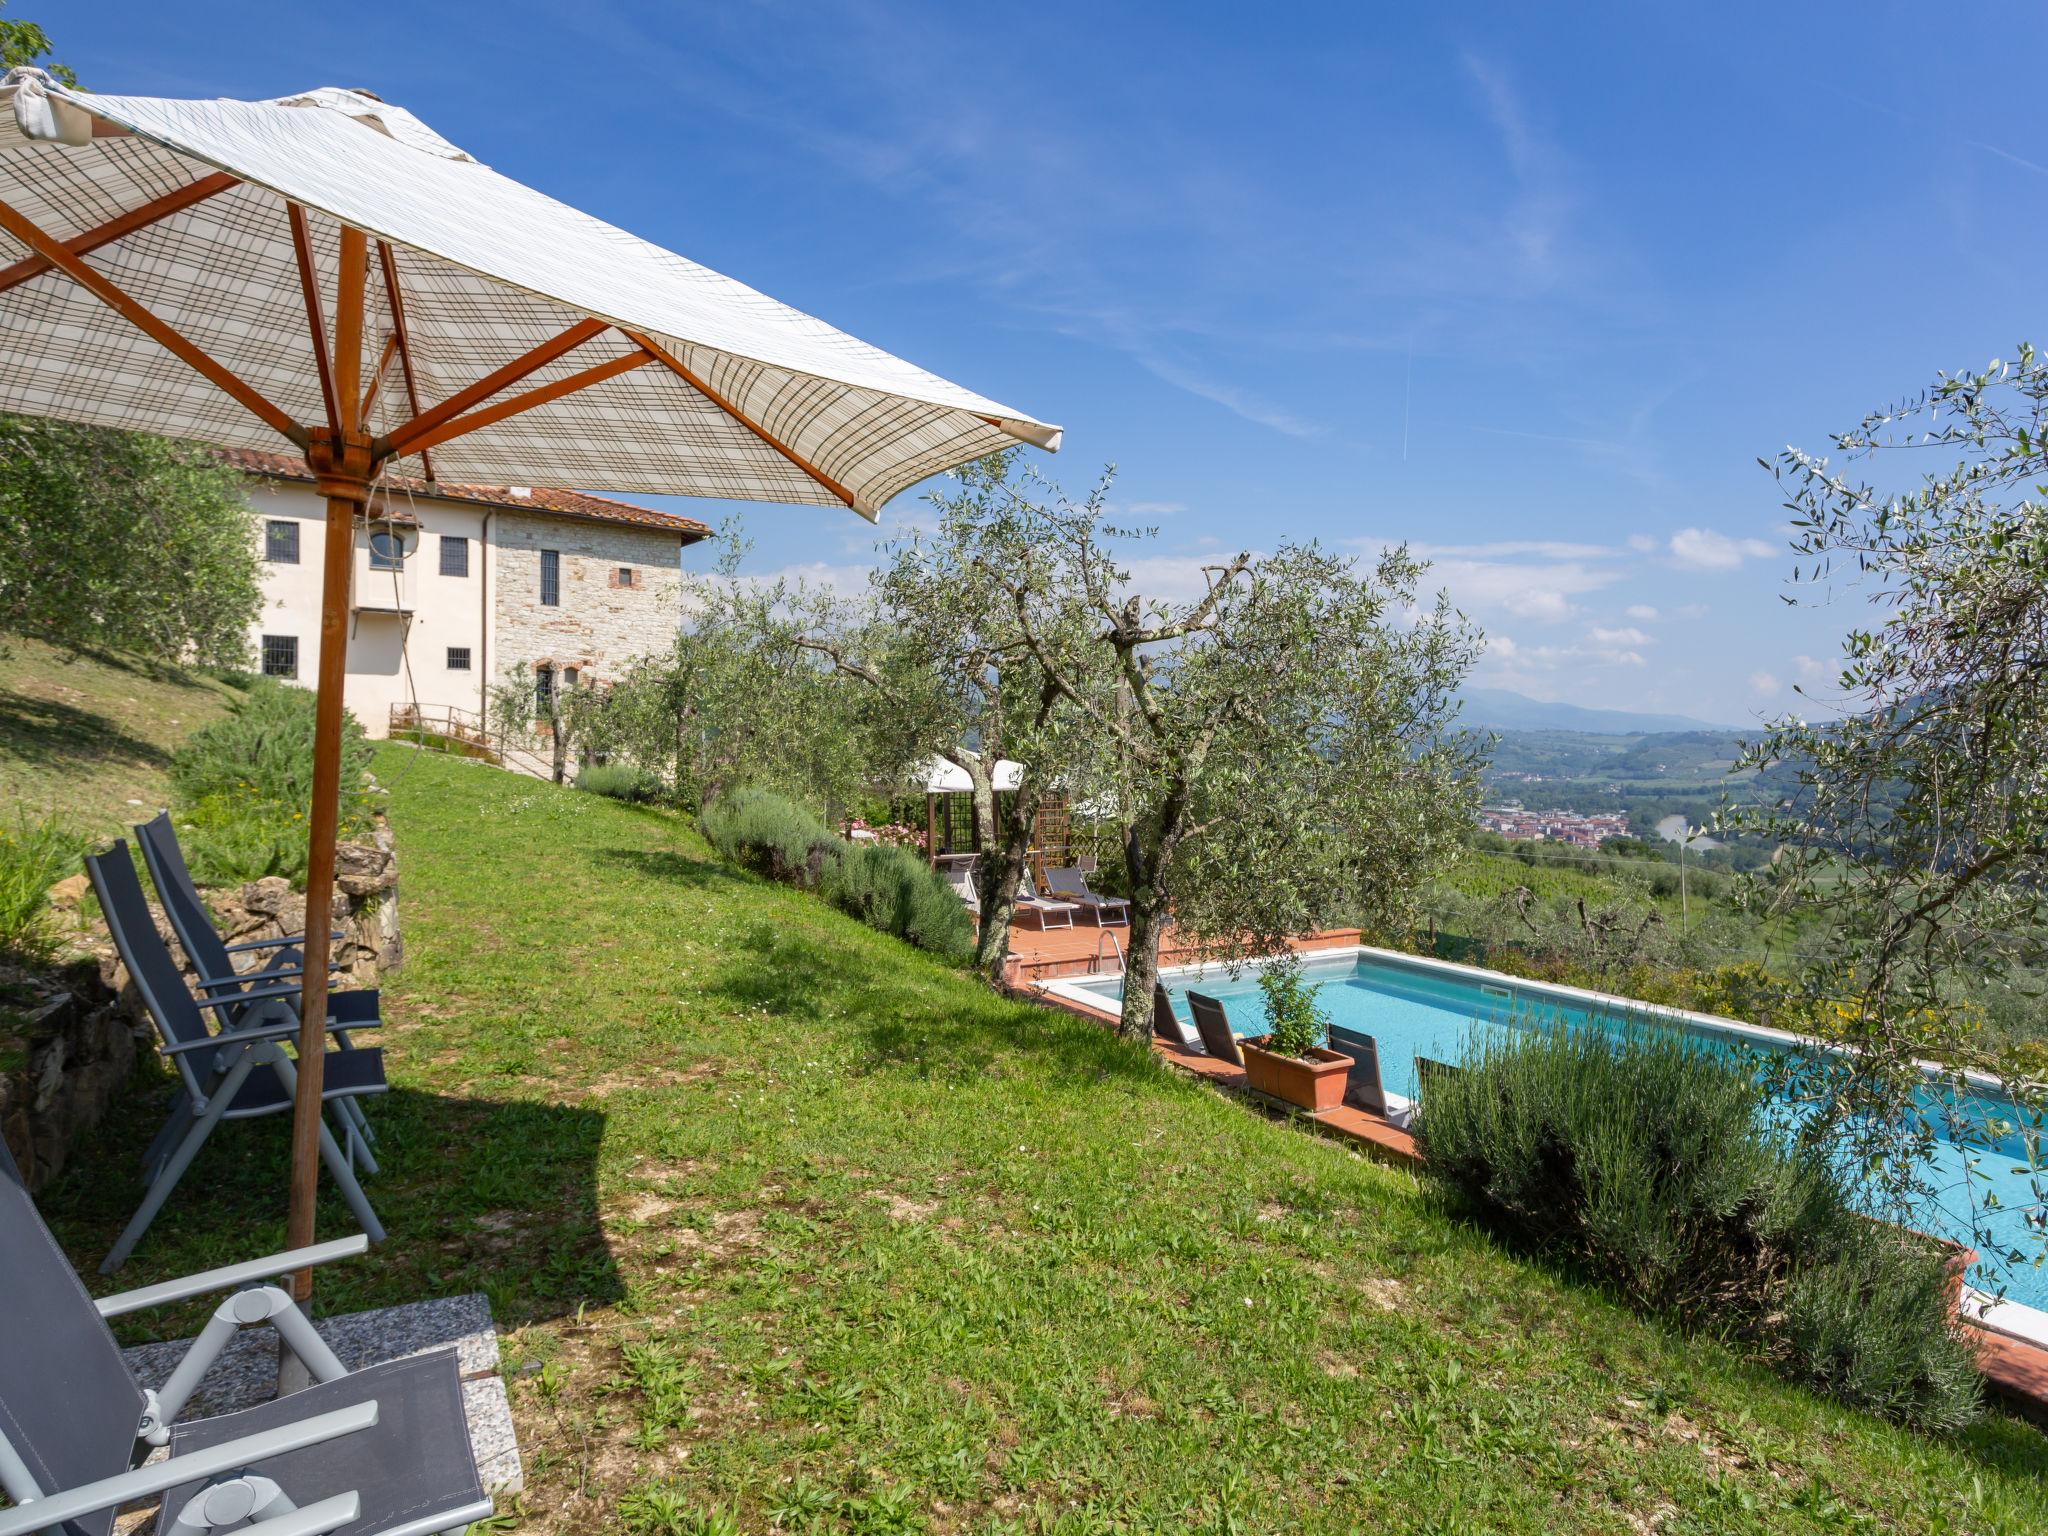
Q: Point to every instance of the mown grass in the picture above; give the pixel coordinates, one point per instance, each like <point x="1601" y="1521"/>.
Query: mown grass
<point x="791" y="1222"/>
<point x="87" y="738"/>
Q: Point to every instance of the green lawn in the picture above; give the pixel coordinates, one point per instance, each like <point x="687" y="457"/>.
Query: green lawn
<point x="87" y="738"/>
<point x="790" y="1220"/>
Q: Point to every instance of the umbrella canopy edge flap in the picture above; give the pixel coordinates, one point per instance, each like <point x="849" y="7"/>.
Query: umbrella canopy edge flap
<point x="752" y="399"/>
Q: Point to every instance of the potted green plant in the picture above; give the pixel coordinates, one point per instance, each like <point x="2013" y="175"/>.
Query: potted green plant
<point x="1290" y="1061"/>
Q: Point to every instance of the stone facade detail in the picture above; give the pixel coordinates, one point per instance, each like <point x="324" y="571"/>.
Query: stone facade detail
<point x="600" y="625"/>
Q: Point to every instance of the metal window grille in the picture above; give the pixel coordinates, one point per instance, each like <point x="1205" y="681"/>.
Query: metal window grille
<point x="458" y="658"/>
<point x="280" y="655"/>
<point x="454" y="555"/>
<point x="281" y="542"/>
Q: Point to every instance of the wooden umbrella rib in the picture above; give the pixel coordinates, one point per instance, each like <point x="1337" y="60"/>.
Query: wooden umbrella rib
<point x="157" y="330"/>
<point x="309" y="287"/>
<point x="406" y="433"/>
<point x="128" y="223"/>
<point x="387" y="263"/>
<point x="532" y="398"/>
<point x="377" y="378"/>
<point x="683" y="371"/>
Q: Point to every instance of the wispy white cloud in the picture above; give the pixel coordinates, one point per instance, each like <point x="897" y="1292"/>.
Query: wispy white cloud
<point x="1628" y="635"/>
<point x="1642" y="613"/>
<point x="1765" y="685"/>
<point x="1703" y="549"/>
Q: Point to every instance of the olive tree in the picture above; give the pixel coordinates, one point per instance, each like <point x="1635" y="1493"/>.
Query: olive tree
<point x="937" y="643"/>
<point x="736" y="699"/>
<point x="1280" y="751"/>
<point x="124" y="541"/>
<point x="1916" y="815"/>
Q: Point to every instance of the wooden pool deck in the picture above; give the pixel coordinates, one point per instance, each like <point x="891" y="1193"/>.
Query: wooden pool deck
<point x="2015" y="1369"/>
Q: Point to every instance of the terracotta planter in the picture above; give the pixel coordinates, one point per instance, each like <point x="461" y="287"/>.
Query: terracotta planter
<point x="1314" y="1082"/>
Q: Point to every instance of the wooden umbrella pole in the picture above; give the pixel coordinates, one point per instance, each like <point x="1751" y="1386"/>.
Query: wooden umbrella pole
<point x="343" y="469"/>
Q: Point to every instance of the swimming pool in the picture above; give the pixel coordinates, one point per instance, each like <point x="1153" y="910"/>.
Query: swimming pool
<point x="1414" y="1007"/>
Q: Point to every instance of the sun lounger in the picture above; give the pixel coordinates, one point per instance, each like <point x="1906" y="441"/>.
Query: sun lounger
<point x="241" y="1073"/>
<point x="1050" y="914"/>
<point x="1072" y="885"/>
<point x="379" y="1452"/>
<point x="1213" y="1024"/>
<point x="1362" y="1086"/>
<point x="1168" y="1026"/>
<point x="213" y="963"/>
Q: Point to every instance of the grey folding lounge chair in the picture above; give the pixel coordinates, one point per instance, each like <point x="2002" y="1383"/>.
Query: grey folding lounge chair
<point x="381" y="1452"/>
<point x="1427" y="1069"/>
<point x="1362" y="1086"/>
<point x="961" y="878"/>
<point x="1170" y="1027"/>
<point x="1043" y="908"/>
<point x="214" y="967"/>
<point x="1213" y="1024"/>
<point x="1072" y="885"/>
<point x="242" y="1073"/>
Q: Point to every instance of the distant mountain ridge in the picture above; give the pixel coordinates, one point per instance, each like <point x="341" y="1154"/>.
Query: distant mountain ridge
<point x="1501" y="709"/>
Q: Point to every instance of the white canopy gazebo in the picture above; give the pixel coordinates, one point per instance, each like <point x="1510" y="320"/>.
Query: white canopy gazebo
<point x="325" y="270"/>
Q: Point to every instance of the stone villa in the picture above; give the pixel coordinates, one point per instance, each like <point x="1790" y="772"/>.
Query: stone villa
<point x="456" y="584"/>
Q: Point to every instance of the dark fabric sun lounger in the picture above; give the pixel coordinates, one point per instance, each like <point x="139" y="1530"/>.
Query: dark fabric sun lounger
<point x="241" y="1073"/>
<point x="1213" y="1024"/>
<point x="213" y="962"/>
<point x="1170" y="1027"/>
<point x="1072" y="885"/>
<point x="1362" y="1086"/>
<point x="382" y="1452"/>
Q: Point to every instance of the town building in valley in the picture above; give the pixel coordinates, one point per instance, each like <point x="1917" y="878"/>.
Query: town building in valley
<point x="456" y="585"/>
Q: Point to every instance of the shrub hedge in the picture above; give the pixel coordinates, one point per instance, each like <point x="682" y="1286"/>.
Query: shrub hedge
<point x="244" y="785"/>
<point x="886" y="888"/>
<point x="619" y="782"/>
<point x="1651" y="1162"/>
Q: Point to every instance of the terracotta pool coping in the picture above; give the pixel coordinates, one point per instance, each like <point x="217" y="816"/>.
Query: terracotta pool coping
<point x="2016" y="1369"/>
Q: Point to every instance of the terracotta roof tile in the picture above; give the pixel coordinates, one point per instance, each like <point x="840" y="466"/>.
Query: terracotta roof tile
<point x="541" y="499"/>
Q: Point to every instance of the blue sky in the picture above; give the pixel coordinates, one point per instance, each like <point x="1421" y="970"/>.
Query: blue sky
<point x="1531" y="287"/>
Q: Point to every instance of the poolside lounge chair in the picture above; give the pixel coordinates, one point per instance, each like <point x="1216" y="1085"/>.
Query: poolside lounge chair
<point x="242" y="1073"/>
<point x="377" y="1452"/>
<point x="213" y="963"/>
<point x="961" y="878"/>
<point x="1170" y="1027"/>
<point x="1043" y="908"/>
<point x="1363" y="1088"/>
<point x="1072" y="885"/>
<point x="1213" y="1024"/>
<point x="1427" y="1070"/>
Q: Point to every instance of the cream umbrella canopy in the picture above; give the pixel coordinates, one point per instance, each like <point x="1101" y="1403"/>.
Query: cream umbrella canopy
<point x="238" y="272"/>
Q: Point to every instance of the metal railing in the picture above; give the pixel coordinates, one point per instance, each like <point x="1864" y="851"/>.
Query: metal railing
<point x="464" y="731"/>
<point x="1095" y="964"/>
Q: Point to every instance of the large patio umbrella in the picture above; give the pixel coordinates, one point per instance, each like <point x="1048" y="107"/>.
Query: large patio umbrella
<point x="241" y="272"/>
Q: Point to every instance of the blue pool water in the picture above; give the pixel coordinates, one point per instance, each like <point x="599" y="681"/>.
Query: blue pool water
<point x="1414" y="1009"/>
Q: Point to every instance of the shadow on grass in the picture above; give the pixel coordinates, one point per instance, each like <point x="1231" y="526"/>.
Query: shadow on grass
<point x="490" y="1195"/>
<point x="796" y="975"/>
<point x="666" y="864"/>
<point x="47" y="733"/>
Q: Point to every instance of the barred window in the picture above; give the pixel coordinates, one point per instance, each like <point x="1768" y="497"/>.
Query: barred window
<point x="281" y="542"/>
<point x="387" y="551"/>
<point x="280" y="655"/>
<point x="550" y="578"/>
<point x="454" y="555"/>
<point x="543" y="689"/>
<point x="625" y="575"/>
<point x="458" y="658"/>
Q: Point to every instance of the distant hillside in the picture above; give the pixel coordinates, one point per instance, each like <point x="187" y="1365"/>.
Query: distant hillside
<point x="1501" y="710"/>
